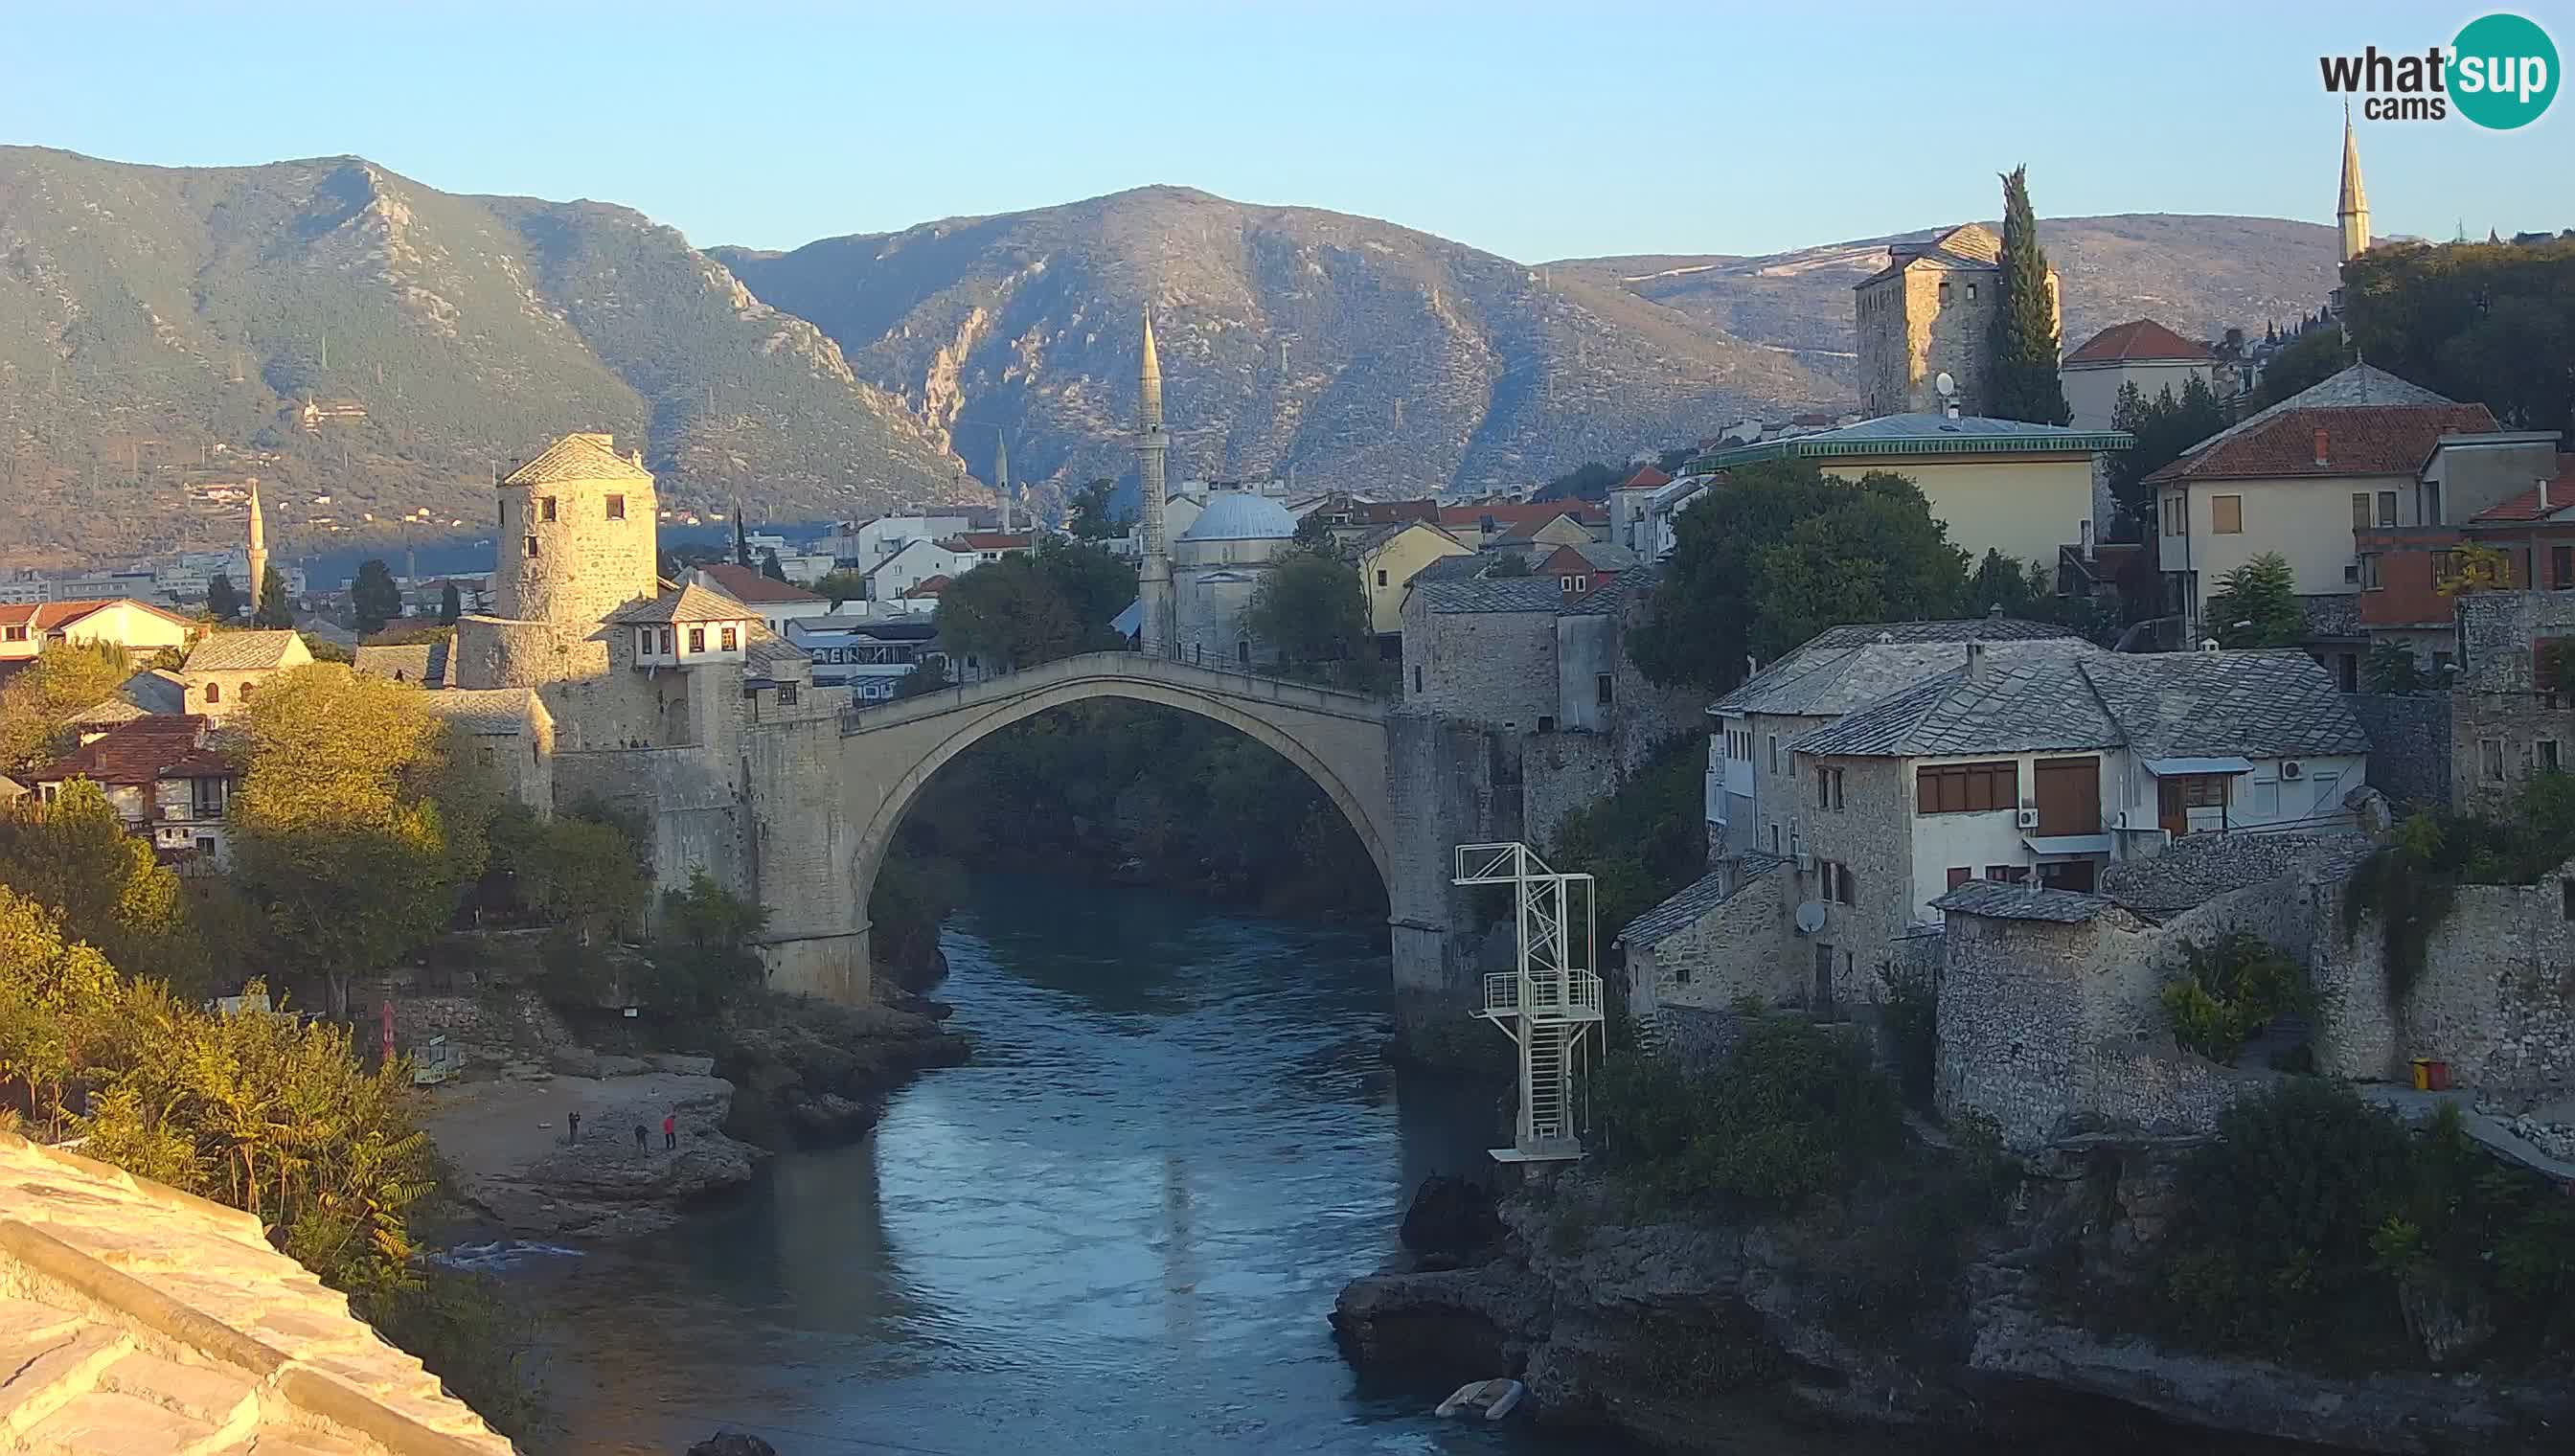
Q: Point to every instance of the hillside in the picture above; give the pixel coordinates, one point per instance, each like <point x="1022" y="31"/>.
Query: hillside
<point x="2195" y="274"/>
<point x="1362" y="355"/>
<point x="158" y="326"/>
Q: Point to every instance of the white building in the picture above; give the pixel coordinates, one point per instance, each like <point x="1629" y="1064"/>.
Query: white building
<point x="860" y="546"/>
<point x="2141" y="353"/>
<point x="916" y="562"/>
<point x="778" y="602"/>
<point x="1217" y="565"/>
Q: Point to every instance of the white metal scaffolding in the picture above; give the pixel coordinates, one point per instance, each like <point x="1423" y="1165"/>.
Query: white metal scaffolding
<point x="1549" y="1006"/>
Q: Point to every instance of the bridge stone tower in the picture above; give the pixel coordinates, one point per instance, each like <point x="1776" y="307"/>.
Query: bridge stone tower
<point x="1154" y="578"/>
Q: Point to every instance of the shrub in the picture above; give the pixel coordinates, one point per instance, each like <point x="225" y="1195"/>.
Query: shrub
<point x="1910" y="1014"/>
<point x="2227" y="991"/>
<point x="1794" y="1113"/>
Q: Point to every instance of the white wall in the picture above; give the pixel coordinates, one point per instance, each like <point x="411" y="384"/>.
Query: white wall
<point x="2093" y="391"/>
<point x="2306" y="521"/>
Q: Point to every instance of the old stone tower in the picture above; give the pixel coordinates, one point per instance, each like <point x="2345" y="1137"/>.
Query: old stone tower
<point x="577" y="543"/>
<point x="1932" y="310"/>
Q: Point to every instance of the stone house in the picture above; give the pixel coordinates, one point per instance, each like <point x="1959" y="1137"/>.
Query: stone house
<point x="28" y="627"/>
<point x="421" y="664"/>
<point x="2305" y="478"/>
<point x="1930" y="310"/>
<point x="2002" y="485"/>
<point x="225" y="667"/>
<point x="778" y="602"/>
<point x="2140" y="351"/>
<point x="509" y="733"/>
<point x="163" y="775"/>
<point x="2510" y="715"/>
<point x="1628" y="501"/>
<point x="1388" y="558"/>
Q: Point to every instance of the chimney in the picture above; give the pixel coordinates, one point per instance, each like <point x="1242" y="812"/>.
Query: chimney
<point x="2324" y="455"/>
<point x="1953" y="409"/>
<point x="2087" y="541"/>
<point x="1975" y="660"/>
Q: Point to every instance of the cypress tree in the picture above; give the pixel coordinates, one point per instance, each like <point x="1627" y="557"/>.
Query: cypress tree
<point x="451" y="604"/>
<point x="2025" y="385"/>
<point x="223" y="604"/>
<point x="273" y="611"/>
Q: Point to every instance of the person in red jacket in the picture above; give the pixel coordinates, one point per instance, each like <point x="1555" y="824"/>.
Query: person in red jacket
<point x="670" y="1130"/>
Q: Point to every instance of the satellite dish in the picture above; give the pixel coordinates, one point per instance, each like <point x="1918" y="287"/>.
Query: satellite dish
<point x="1945" y="384"/>
<point x="1810" y="917"/>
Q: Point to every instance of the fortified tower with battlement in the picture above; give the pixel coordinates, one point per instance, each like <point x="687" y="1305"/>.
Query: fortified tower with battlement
<point x="578" y="541"/>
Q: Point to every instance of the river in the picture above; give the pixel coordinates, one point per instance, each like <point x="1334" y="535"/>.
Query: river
<point x="1117" y="1229"/>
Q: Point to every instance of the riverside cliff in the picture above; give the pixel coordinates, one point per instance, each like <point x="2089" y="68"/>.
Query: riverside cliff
<point x="1685" y="1332"/>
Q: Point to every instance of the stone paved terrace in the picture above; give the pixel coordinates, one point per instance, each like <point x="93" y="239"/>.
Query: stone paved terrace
<point x="137" y="1319"/>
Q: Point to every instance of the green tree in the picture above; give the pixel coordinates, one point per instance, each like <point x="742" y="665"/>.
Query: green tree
<point x="2474" y="321"/>
<point x="2256" y="605"/>
<point x="770" y="567"/>
<point x="1875" y="554"/>
<point x="373" y="597"/>
<point x="275" y="610"/>
<point x="76" y="857"/>
<point x="2024" y="372"/>
<point x="2312" y="358"/>
<point x="703" y="958"/>
<point x="840" y="586"/>
<point x="928" y="675"/>
<point x="342" y="808"/>
<point x="223" y="604"/>
<point x="1509" y="564"/>
<point x="1313" y="532"/>
<point x="1035" y="607"/>
<point x="2165" y="429"/>
<point x="2392" y="667"/>
<point x="1091" y="517"/>
<point x="1310" y="608"/>
<point x="1095" y="585"/>
<point x="2019" y="589"/>
<point x="66" y="679"/>
<point x="451" y="604"/>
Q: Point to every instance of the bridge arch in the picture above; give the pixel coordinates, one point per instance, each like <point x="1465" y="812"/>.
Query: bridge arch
<point x="888" y="753"/>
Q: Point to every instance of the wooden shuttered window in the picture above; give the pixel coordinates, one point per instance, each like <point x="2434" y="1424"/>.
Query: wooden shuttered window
<point x="1967" y="788"/>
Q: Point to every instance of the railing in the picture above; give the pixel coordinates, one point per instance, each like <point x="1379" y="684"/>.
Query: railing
<point x="1577" y="999"/>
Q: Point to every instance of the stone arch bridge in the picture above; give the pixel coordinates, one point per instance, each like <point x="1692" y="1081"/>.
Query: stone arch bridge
<point x="1410" y="787"/>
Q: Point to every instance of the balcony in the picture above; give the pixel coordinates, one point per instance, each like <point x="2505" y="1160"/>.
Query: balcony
<point x="1575" y="998"/>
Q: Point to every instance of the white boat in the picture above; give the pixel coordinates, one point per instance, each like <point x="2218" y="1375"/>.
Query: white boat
<point x="1496" y="1398"/>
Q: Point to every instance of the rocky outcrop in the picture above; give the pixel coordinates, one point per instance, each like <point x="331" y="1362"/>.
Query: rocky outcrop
<point x="811" y="1072"/>
<point x="518" y="1164"/>
<point x="733" y="1443"/>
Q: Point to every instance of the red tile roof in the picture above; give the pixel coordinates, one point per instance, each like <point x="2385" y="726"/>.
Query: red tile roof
<point x="1646" y="478"/>
<point x="2139" y="338"/>
<point x="2527" y="505"/>
<point x="1514" y="513"/>
<point x="929" y="587"/>
<point x="2360" y="439"/>
<point x="55" y="615"/>
<point x="142" y="752"/>
<point x="746" y="585"/>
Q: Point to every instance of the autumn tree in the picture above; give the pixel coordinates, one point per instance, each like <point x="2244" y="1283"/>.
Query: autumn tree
<point x="2022" y="374"/>
<point x="66" y="680"/>
<point x="75" y="856"/>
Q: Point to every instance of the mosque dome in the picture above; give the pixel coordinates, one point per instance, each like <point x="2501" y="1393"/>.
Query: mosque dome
<point x="1242" y="516"/>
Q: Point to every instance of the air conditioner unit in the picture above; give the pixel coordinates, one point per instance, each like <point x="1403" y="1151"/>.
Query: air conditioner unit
<point x="1805" y="862"/>
<point x="2289" y="768"/>
<point x="2029" y="819"/>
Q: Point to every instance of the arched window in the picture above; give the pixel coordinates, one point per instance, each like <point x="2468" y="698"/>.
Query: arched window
<point x="214" y="693"/>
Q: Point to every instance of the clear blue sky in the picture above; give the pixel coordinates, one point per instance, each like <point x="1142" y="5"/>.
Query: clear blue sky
<point x="1537" y="132"/>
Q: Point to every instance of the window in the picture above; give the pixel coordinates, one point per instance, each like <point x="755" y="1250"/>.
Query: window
<point x="2263" y="798"/>
<point x="1775" y="753"/>
<point x="2490" y="759"/>
<point x="2387" y="507"/>
<point x="206" y="797"/>
<point x="2431" y="503"/>
<point x="1564" y="585"/>
<point x="1605" y="688"/>
<point x="214" y="693"/>
<point x="2566" y="898"/>
<point x="1774" y="827"/>
<point x="2008" y="873"/>
<point x="643" y="641"/>
<point x="15" y="634"/>
<point x="1241" y="650"/>
<point x="697" y="638"/>
<point x="1417" y="678"/>
<point x="547" y="506"/>
<point x="1959" y="875"/>
<point x="2445" y="568"/>
<point x="731" y="638"/>
<point x="1967" y="788"/>
<point x="2200" y="791"/>
<point x="1381" y="576"/>
<point x="617" y="508"/>
<point x="2361" y="510"/>
<point x="2226" y="515"/>
<point x="1837" y="790"/>
<point x="1944" y="290"/>
<point x="2173" y="523"/>
<point x="1823" y="788"/>
<point x="2544" y="751"/>
<point x="1972" y="293"/>
<point x="484" y="750"/>
<point x="532" y="548"/>
<point x="205" y="845"/>
<point x="787" y="693"/>
<point x="2561" y="568"/>
<point x="669" y="640"/>
<point x="2369" y="580"/>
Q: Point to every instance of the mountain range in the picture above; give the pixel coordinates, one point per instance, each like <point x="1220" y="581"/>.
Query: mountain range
<point x="163" y="328"/>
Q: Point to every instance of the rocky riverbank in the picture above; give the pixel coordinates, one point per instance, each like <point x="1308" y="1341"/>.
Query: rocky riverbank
<point x="517" y="1162"/>
<point x="1679" y="1333"/>
<point x="813" y="1072"/>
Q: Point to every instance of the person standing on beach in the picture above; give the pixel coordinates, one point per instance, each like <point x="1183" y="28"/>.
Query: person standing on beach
<point x="670" y="1130"/>
<point x="638" y="1138"/>
<point x="573" y="1121"/>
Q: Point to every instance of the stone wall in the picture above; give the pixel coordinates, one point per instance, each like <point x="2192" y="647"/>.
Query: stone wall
<point x="2495" y="999"/>
<point x="1560" y="773"/>
<point x="1448" y="783"/>
<point x="585" y="564"/>
<point x="1483" y="667"/>
<point x="1872" y="833"/>
<point x="1740" y="948"/>
<point x="2409" y="744"/>
<point x="687" y="803"/>
<point x="2499" y="720"/>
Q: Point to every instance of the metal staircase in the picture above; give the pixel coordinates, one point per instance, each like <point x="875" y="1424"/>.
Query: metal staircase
<point x="1550" y="1005"/>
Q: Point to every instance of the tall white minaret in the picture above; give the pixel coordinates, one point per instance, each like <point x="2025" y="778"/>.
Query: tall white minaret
<point x="1154" y="579"/>
<point x="2353" y="211"/>
<point x="258" y="552"/>
<point x="1001" y="476"/>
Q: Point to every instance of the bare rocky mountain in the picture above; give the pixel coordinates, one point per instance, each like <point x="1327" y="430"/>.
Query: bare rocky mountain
<point x="160" y="327"/>
<point x="1360" y="355"/>
<point x="2197" y="275"/>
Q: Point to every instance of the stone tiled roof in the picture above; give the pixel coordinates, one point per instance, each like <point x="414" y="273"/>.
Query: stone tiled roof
<point x="244" y="651"/>
<point x="143" y="751"/>
<point x="1970" y="246"/>
<point x="585" y="457"/>
<point x="2139" y="341"/>
<point x="1702" y="896"/>
<point x="2197" y="869"/>
<point x="2258" y="704"/>
<point x="747" y="585"/>
<point x="2021" y="902"/>
<point x="691" y="602"/>
<point x="1528" y="593"/>
<point x="155" y="689"/>
<point x="483" y="710"/>
<point x="1848" y="668"/>
<point x="106" y="713"/>
<point x="421" y="662"/>
<point x="139" y="1319"/>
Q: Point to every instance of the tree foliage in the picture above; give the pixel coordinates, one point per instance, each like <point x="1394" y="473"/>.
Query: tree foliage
<point x="2165" y="428"/>
<point x="374" y="598"/>
<point x="66" y="680"/>
<point x="75" y="858"/>
<point x="451" y="604"/>
<point x="223" y="600"/>
<point x="2309" y="359"/>
<point x="771" y="566"/>
<point x="2256" y="605"/>
<point x="2227" y="991"/>
<point x="1093" y="518"/>
<point x="1310" y="608"/>
<point x="1793" y="1114"/>
<point x="2473" y="320"/>
<point x="702" y="955"/>
<point x="2392" y="667"/>
<point x="1037" y="606"/>
<point x="273" y="609"/>
<point x="1644" y="843"/>
<point x="1748" y="575"/>
<point x="840" y="586"/>
<point x="2022" y="374"/>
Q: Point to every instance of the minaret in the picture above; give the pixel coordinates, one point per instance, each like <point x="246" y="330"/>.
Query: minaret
<point x="1001" y="476"/>
<point x="1153" y="580"/>
<point x="258" y="551"/>
<point x="2353" y="211"/>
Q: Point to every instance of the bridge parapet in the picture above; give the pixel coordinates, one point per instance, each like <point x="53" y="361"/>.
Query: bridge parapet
<point x="1121" y="666"/>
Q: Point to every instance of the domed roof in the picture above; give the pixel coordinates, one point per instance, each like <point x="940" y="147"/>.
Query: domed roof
<point x="1242" y="516"/>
